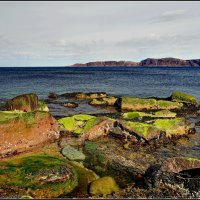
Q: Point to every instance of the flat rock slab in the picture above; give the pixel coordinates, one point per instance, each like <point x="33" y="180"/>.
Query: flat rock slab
<point x="73" y="154"/>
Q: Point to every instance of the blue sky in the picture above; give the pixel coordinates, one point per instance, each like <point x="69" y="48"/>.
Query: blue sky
<point x="63" y="33"/>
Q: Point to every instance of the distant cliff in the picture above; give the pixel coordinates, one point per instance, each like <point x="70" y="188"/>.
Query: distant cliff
<point x="149" y="62"/>
<point x="107" y="64"/>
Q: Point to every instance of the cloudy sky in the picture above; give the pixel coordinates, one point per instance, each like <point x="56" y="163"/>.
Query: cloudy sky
<point x="64" y="33"/>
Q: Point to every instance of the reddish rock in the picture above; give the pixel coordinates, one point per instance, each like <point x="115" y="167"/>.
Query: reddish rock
<point x="178" y="164"/>
<point x="21" y="131"/>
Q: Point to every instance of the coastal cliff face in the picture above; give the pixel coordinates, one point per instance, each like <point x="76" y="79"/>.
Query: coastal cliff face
<point x="149" y="62"/>
<point x="107" y="64"/>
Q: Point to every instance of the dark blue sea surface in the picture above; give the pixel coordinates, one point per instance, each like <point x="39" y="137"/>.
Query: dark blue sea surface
<point x="131" y="81"/>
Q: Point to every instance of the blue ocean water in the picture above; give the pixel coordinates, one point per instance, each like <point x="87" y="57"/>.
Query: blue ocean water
<point x="131" y="81"/>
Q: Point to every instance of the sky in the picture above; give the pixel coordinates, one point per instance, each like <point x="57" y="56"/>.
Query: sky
<point x="61" y="33"/>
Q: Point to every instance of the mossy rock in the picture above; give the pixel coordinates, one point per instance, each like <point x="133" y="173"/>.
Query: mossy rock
<point x="168" y="105"/>
<point x="103" y="186"/>
<point x="75" y="123"/>
<point x="24" y="102"/>
<point x="29" y="118"/>
<point x="85" y="176"/>
<point x="97" y="102"/>
<point x="142" y="130"/>
<point x="133" y="115"/>
<point x="95" y="158"/>
<point x="42" y="106"/>
<point x="176" y="126"/>
<point x="157" y="114"/>
<point x="39" y="175"/>
<point x="23" y="130"/>
<point x="91" y="95"/>
<point x="132" y="103"/>
<point x="184" y="97"/>
<point x="148" y="131"/>
<point x="111" y="101"/>
<point x="164" y="114"/>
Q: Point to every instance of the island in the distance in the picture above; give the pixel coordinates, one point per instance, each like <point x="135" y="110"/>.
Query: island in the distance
<point x="149" y="62"/>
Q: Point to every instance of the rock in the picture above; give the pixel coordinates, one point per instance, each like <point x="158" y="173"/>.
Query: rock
<point x="103" y="186"/>
<point x="156" y="129"/>
<point x="107" y="157"/>
<point x="23" y="130"/>
<point x="168" y="105"/>
<point x="111" y="101"/>
<point x="37" y="175"/>
<point x="85" y="176"/>
<point x="97" y="127"/>
<point x="184" y="97"/>
<point x="164" y="114"/>
<point x="177" y="172"/>
<point x="88" y="126"/>
<point x="132" y="103"/>
<point x="133" y="115"/>
<point x="70" y="105"/>
<point x="73" y="154"/>
<point x="24" y="102"/>
<point x="74" y="124"/>
<point x="157" y="114"/>
<point x="52" y="95"/>
<point x="178" y="164"/>
<point x="42" y="106"/>
<point x="97" y="102"/>
<point x="91" y="95"/>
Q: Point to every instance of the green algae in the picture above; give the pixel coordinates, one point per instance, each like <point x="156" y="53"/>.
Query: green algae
<point x="22" y="172"/>
<point x="96" y="157"/>
<point x="29" y="118"/>
<point x="74" y="123"/>
<point x="133" y="103"/>
<point x="169" y="124"/>
<point x="163" y="104"/>
<point x="133" y="115"/>
<point x="164" y="114"/>
<point x="42" y="106"/>
<point x="184" y="97"/>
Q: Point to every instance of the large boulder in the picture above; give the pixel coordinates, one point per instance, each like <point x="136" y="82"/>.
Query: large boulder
<point x="24" y="102"/>
<point x="184" y="97"/>
<point x="38" y="175"/>
<point x="23" y="130"/>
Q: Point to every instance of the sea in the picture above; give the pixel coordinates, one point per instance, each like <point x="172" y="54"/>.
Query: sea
<point x="126" y="81"/>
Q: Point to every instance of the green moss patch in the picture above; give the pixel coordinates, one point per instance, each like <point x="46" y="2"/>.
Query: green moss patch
<point x="29" y="118"/>
<point x="43" y="175"/>
<point x="75" y="123"/>
<point x="184" y="97"/>
<point x="132" y="103"/>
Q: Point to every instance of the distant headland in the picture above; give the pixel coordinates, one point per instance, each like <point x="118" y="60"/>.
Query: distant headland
<point x="149" y="62"/>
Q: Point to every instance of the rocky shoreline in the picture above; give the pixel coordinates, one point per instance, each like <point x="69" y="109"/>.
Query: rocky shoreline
<point x="149" y="62"/>
<point x="139" y="148"/>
